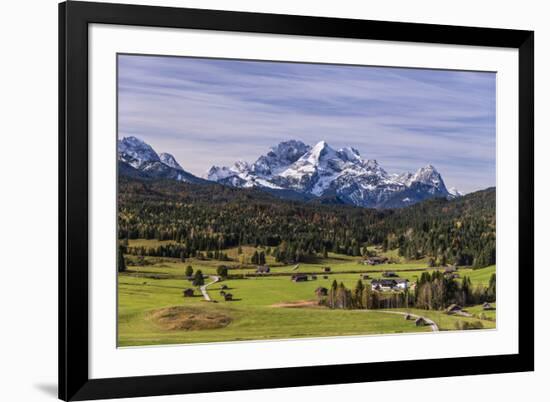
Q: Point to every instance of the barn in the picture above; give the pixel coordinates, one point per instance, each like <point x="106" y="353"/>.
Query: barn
<point x="299" y="278"/>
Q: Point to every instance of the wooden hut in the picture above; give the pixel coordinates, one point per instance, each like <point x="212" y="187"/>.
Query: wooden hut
<point x="299" y="278"/>
<point x="453" y="308"/>
<point x="375" y="260"/>
<point x="420" y="322"/>
<point x="263" y="269"/>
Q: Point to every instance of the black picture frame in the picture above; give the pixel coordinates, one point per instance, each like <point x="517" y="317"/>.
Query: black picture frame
<point x="74" y="18"/>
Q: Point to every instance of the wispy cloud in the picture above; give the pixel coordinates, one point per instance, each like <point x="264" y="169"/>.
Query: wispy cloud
<point x="208" y="111"/>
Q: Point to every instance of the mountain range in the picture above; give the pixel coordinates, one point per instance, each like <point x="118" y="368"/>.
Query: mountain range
<point x="295" y="170"/>
<point x="138" y="159"/>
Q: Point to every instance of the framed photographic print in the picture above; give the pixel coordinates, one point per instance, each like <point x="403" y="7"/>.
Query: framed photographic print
<point x="256" y="200"/>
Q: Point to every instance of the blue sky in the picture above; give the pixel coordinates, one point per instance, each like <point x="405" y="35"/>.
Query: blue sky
<point x="213" y="112"/>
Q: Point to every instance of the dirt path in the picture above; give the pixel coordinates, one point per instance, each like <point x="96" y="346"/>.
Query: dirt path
<point x="297" y="304"/>
<point x="432" y="324"/>
<point x="203" y="287"/>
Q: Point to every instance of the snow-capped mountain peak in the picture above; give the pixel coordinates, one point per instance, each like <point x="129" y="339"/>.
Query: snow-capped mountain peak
<point x="241" y="166"/>
<point x="430" y="176"/>
<point x="316" y="160"/>
<point x="135" y="152"/>
<point x="320" y="150"/>
<point x="169" y="160"/>
<point x="279" y="157"/>
<point x="140" y="159"/>
<point x="349" y="154"/>
<point x="289" y="151"/>
<point x="320" y="169"/>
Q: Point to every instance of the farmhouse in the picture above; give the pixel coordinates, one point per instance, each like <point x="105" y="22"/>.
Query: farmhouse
<point x="321" y="291"/>
<point x="401" y="283"/>
<point x="389" y="284"/>
<point x="389" y="274"/>
<point x="299" y="278"/>
<point x="228" y="297"/>
<point x="262" y="269"/>
<point x="383" y="284"/>
<point x="326" y="269"/>
<point x="375" y="260"/>
<point x="188" y="292"/>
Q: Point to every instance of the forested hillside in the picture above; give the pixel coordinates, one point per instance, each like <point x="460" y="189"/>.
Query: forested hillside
<point x="213" y="217"/>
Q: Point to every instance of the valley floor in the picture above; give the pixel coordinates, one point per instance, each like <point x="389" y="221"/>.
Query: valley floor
<point x="153" y="311"/>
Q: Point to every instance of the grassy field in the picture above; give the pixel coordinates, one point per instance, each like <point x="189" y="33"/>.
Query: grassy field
<point x="253" y="314"/>
<point x="152" y="291"/>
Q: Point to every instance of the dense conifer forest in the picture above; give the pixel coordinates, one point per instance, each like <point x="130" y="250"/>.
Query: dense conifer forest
<point x="208" y="218"/>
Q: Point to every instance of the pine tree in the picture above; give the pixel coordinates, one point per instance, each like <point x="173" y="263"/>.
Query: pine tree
<point x="492" y="289"/>
<point x="121" y="263"/>
<point x="198" y="280"/>
<point x="255" y="258"/>
<point x="466" y="290"/>
<point x="358" y="294"/>
<point x="222" y="271"/>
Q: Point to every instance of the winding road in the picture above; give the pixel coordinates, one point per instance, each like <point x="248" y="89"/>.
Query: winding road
<point x="432" y="324"/>
<point x="203" y="287"/>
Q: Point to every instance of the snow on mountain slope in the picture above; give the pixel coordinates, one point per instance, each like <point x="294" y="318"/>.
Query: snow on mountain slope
<point x="136" y="153"/>
<point x="322" y="170"/>
<point x="140" y="156"/>
<point x="169" y="160"/>
<point x="455" y="193"/>
<point x="298" y="170"/>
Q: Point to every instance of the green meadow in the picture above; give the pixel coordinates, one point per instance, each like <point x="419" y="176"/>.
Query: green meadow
<point x="153" y="311"/>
